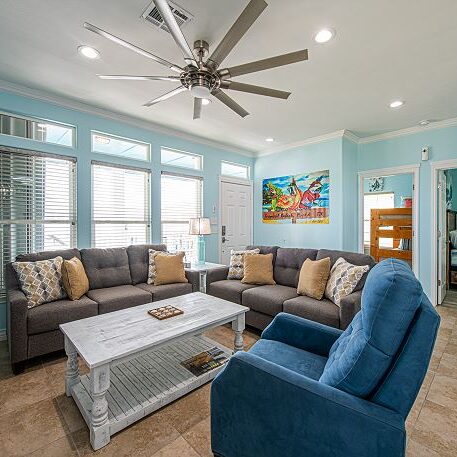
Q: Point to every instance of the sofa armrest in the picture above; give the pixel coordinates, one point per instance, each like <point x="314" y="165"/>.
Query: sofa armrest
<point x="216" y="274"/>
<point x="288" y="414"/>
<point x="194" y="278"/>
<point x="349" y="307"/>
<point x="302" y="333"/>
<point x="17" y="325"/>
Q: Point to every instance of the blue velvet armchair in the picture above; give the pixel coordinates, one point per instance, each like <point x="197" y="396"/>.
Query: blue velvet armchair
<point x="305" y="389"/>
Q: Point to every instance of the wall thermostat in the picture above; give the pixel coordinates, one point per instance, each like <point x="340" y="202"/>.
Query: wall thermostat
<point x="425" y="153"/>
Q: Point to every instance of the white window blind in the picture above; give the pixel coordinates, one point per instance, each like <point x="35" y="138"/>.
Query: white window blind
<point x="37" y="204"/>
<point x="181" y="200"/>
<point x="376" y="201"/>
<point x="120" y="206"/>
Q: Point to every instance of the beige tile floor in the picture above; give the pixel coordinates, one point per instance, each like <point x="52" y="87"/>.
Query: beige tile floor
<point x="37" y="419"/>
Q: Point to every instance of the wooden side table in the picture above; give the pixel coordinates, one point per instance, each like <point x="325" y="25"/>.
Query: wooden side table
<point x="203" y="270"/>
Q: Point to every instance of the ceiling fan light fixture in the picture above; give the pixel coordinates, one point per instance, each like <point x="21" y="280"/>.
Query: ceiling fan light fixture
<point x="206" y="101"/>
<point x="396" y="104"/>
<point x="269" y="140"/>
<point x="324" y="36"/>
<point x="200" y="91"/>
<point x="89" y="52"/>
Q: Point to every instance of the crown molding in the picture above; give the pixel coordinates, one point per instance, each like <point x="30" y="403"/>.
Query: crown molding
<point x="64" y="102"/>
<point x="409" y="131"/>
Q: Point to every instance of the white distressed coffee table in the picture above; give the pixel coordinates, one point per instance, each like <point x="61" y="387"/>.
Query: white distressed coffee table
<point x="134" y="359"/>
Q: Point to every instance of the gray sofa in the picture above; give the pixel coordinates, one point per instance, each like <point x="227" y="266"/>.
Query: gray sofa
<point x="267" y="301"/>
<point x="117" y="280"/>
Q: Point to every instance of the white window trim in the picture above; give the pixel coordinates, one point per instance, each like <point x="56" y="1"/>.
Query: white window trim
<point x="94" y="133"/>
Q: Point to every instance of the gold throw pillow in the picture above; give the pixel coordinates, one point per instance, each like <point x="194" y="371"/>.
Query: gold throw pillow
<point x="258" y="269"/>
<point x="169" y="269"/>
<point x="74" y="278"/>
<point x="313" y="278"/>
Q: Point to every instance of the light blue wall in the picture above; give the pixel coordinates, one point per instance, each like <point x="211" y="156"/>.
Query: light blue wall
<point x="306" y="159"/>
<point x="400" y="185"/>
<point x="406" y="150"/>
<point x="85" y="123"/>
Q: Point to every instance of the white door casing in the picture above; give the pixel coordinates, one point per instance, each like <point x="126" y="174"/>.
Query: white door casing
<point x="442" y="237"/>
<point x="236" y="217"/>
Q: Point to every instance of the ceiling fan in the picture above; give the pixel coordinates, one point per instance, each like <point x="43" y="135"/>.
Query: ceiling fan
<point x="201" y="74"/>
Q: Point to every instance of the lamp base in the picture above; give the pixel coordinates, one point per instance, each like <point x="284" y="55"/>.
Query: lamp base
<point x="201" y="250"/>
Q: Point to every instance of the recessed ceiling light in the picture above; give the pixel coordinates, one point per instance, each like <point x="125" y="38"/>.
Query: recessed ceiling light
<point x="396" y="104"/>
<point x="269" y="140"/>
<point x="424" y="122"/>
<point x="324" y="36"/>
<point x="206" y="101"/>
<point x="89" y="52"/>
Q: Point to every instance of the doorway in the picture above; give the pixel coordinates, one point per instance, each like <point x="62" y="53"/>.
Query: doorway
<point x="236" y="216"/>
<point x="388" y="214"/>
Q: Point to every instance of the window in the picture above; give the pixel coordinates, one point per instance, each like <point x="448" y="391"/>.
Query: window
<point x="37" y="204"/>
<point x="120" y="206"/>
<point x="376" y="201"/>
<point x="181" y="159"/>
<point x="37" y="129"/>
<point x="121" y="147"/>
<point x="181" y="201"/>
<point x="235" y="170"/>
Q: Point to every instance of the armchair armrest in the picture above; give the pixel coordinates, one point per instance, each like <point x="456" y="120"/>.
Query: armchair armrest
<point x="216" y="274"/>
<point x="17" y="325"/>
<point x="302" y="333"/>
<point x="194" y="278"/>
<point x="349" y="307"/>
<point x="288" y="414"/>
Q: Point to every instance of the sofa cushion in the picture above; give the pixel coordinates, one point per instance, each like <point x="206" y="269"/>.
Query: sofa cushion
<point x="166" y="290"/>
<point x="228" y="289"/>
<point x="302" y="362"/>
<point x="47" y="317"/>
<point x="268" y="299"/>
<point x="106" y="267"/>
<point x="351" y="257"/>
<point x="288" y="264"/>
<point x="361" y="356"/>
<point x="66" y="254"/>
<point x="119" y="297"/>
<point x="266" y="250"/>
<point x="323" y="311"/>
<point x="139" y="260"/>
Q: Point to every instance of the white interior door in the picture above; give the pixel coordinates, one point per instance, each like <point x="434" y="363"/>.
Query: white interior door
<point x="236" y="218"/>
<point x="442" y="237"/>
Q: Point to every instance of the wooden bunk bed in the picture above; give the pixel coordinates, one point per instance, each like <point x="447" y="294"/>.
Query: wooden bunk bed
<point x="395" y="223"/>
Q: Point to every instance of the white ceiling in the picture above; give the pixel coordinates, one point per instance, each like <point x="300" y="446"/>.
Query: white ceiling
<point x="383" y="50"/>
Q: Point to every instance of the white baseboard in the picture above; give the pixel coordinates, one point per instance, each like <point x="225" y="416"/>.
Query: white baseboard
<point x="2" y="335"/>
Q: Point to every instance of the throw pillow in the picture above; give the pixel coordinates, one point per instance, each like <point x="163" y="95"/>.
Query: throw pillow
<point x="152" y="265"/>
<point x="313" y="278"/>
<point x="74" y="278"/>
<point x="258" y="269"/>
<point x="41" y="281"/>
<point x="169" y="269"/>
<point x="344" y="278"/>
<point x="236" y="267"/>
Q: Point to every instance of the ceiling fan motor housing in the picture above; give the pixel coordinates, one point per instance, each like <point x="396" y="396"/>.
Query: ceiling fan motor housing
<point x="200" y="82"/>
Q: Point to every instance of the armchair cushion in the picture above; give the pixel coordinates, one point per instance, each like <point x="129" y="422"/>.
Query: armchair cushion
<point x="302" y="362"/>
<point x="364" y="352"/>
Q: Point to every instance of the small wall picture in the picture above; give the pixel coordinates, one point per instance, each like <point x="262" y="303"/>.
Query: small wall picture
<point x="297" y="199"/>
<point x="376" y="184"/>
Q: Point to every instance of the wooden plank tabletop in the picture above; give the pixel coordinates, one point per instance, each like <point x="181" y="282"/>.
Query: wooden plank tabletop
<point x="107" y="337"/>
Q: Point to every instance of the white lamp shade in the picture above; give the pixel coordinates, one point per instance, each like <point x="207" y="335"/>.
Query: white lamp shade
<point x="200" y="226"/>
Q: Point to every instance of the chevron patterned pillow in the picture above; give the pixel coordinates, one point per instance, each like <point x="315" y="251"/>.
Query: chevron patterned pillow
<point x="236" y="267"/>
<point x="344" y="278"/>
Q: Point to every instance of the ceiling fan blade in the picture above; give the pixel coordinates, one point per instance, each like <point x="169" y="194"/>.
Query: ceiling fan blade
<point x="173" y="27"/>
<point x="237" y="31"/>
<point x="265" y="64"/>
<point x="233" y="85"/>
<point x="131" y="46"/>
<point x="197" y="108"/>
<point x="141" y="78"/>
<point x="166" y="96"/>
<point x="232" y="104"/>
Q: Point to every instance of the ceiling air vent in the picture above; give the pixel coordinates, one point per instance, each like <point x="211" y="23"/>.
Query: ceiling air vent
<point x="152" y="15"/>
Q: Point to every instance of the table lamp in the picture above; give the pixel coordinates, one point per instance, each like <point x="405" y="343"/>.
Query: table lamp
<point x="200" y="226"/>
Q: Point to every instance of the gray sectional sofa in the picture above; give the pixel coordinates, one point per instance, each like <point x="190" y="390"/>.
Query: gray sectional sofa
<point x="267" y="301"/>
<point x="117" y="280"/>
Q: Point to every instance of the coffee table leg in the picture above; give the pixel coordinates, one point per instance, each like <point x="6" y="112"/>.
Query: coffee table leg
<point x="72" y="372"/>
<point x="238" y="327"/>
<point x="99" y="424"/>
